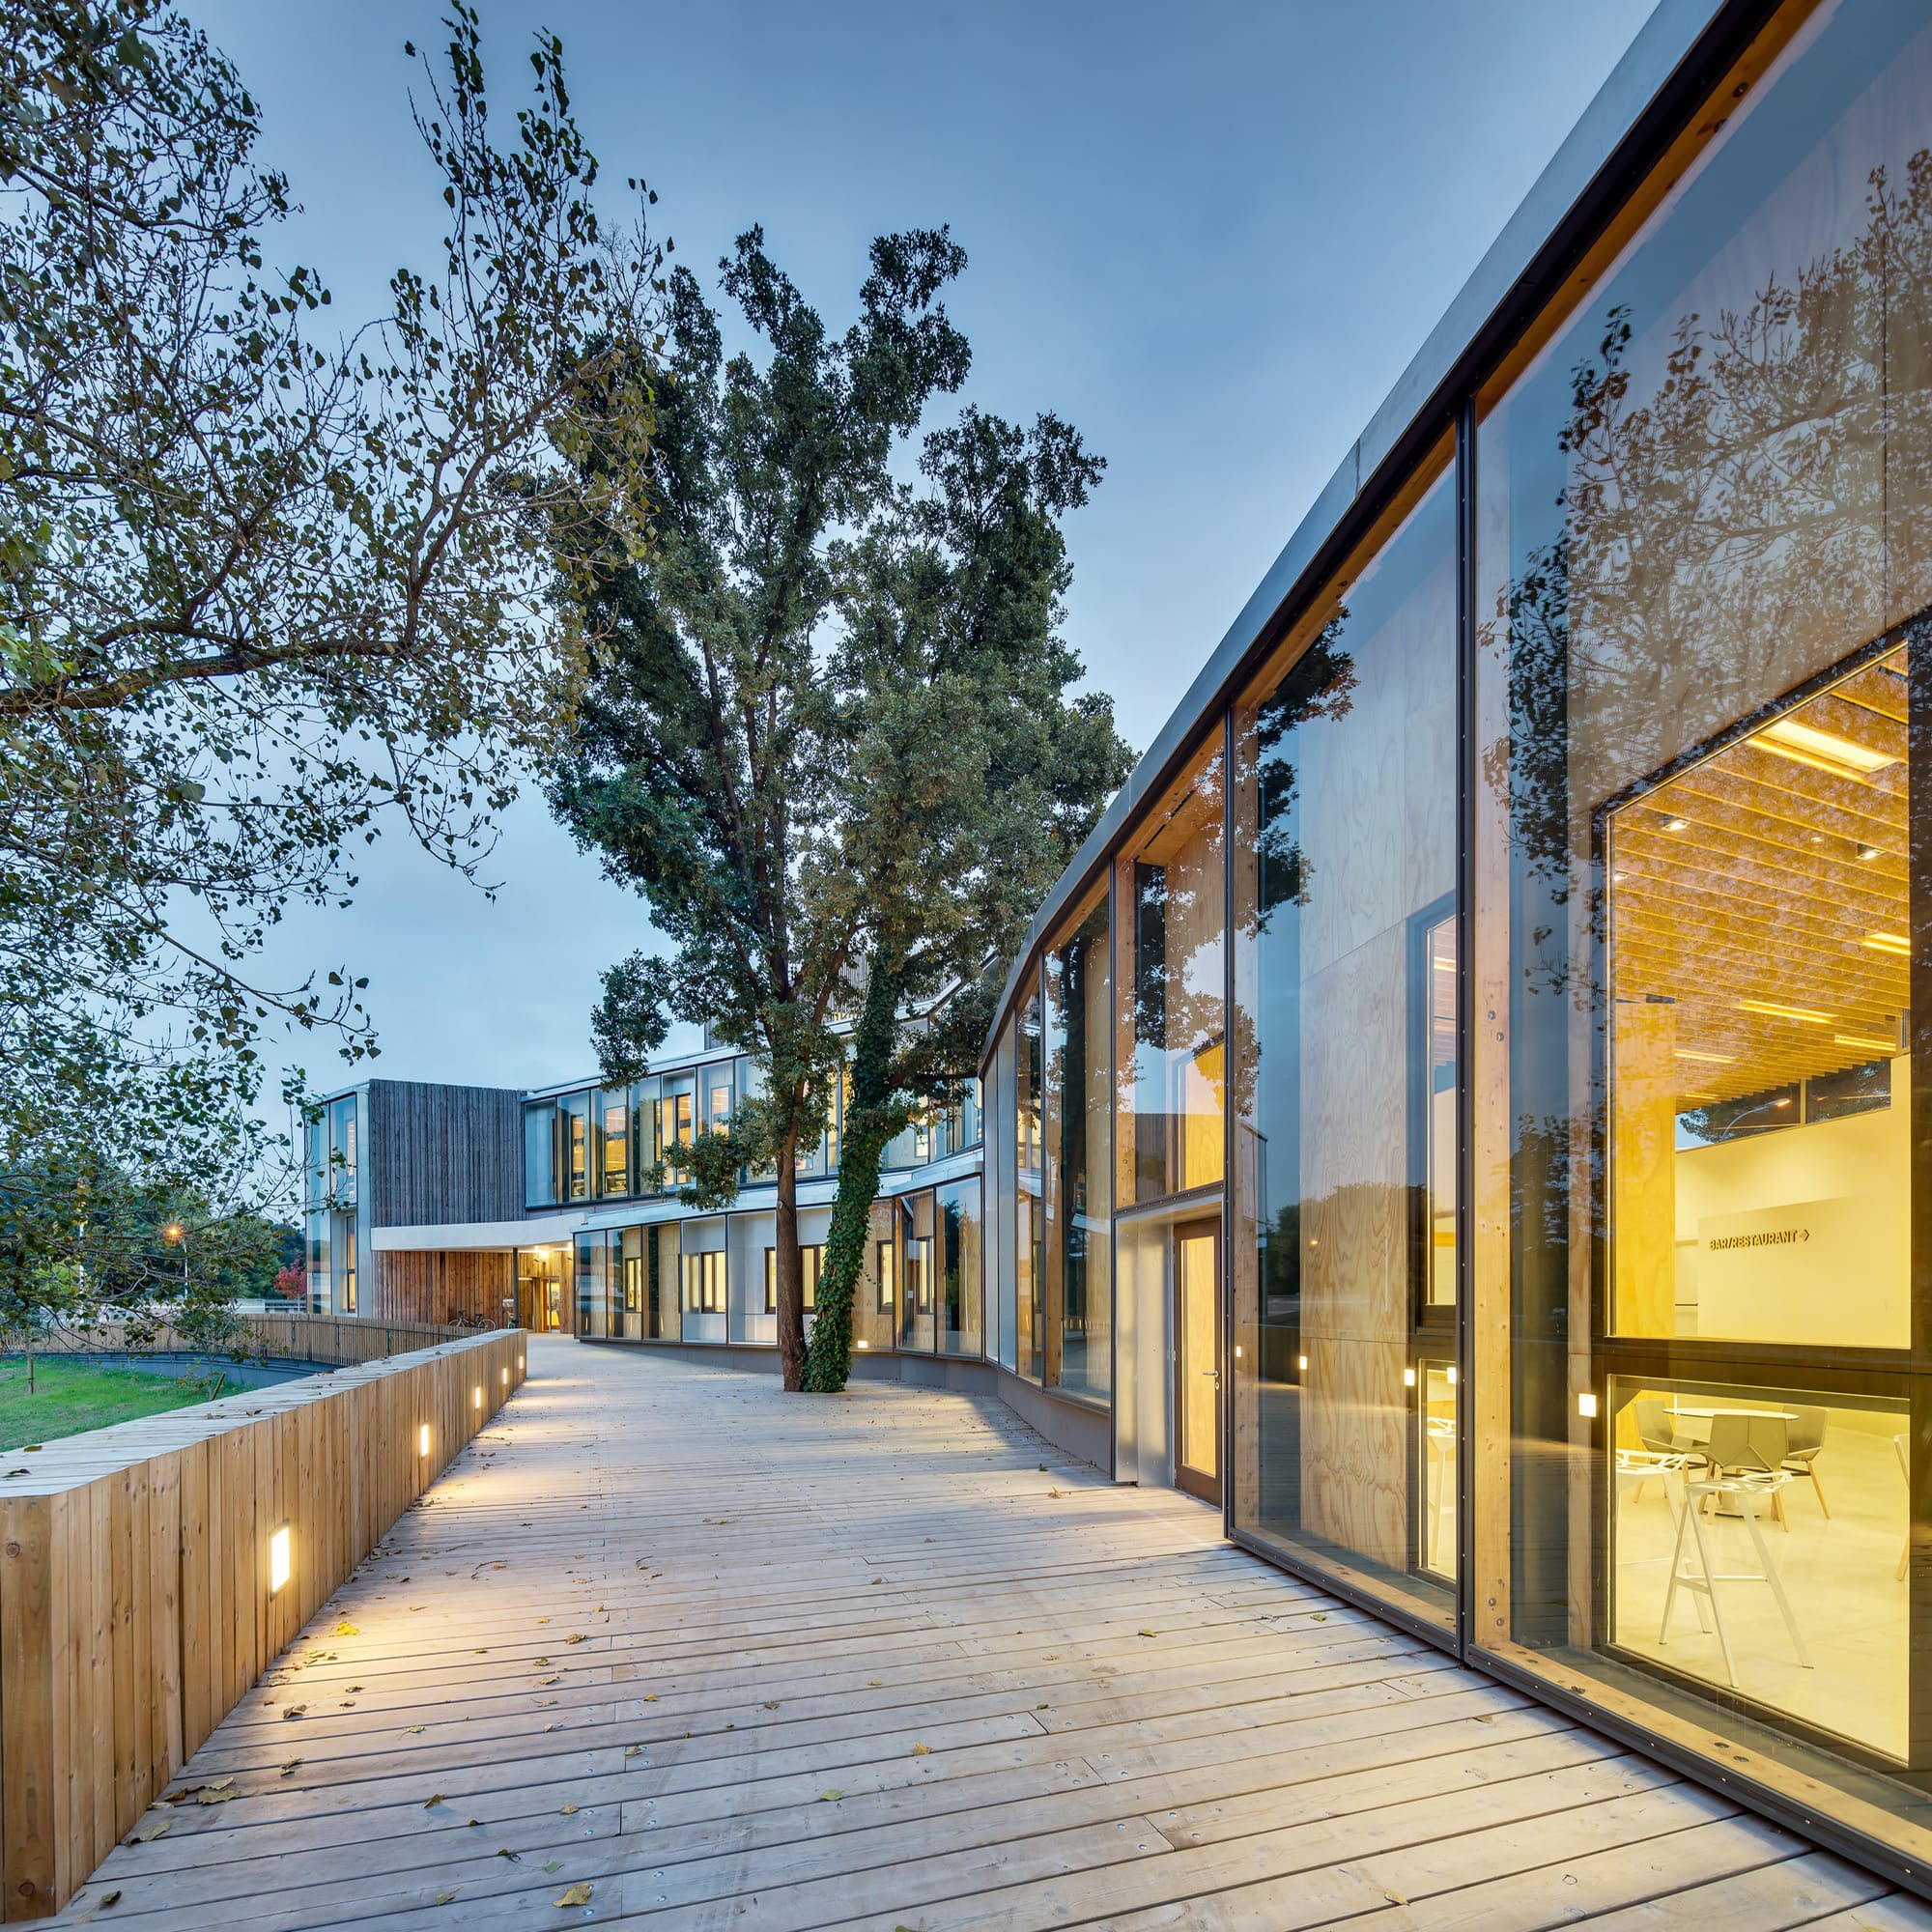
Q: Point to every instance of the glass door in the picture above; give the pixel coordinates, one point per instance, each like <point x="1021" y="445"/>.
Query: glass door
<point x="1197" y="1358"/>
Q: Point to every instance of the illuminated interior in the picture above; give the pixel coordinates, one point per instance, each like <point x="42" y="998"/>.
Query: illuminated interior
<point x="1759" y="1173"/>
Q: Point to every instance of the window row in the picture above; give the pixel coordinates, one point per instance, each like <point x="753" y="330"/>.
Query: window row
<point x="604" y="1143"/>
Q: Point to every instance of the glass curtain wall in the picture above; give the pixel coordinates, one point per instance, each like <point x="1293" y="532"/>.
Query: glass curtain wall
<point x="961" y="1287"/>
<point x="1076" y="1176"/>
<point x="1343" y="1251"/>
<point x="918" y="1271"/>
<point x="1029" y="1220"/>
<point x="1170" y="1125"/>
<point x="1704" y="555"/>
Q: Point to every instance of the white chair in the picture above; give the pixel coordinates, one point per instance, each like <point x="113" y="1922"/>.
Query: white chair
<point x="1635" y="1468"/>
<point x="1744" y="1453"/>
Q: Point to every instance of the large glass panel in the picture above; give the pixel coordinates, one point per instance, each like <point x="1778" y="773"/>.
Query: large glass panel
<point x="706" y="1274"/>
<point x="1704" y="566"/>
<point x="677" y="1125"/>
<point x="960" y="1292"/>
<point x="613" y="1142"/>
<point x="1172" y="1049"/>
<point x="572" y="1132"/>
<point x="629" y="1285"/>
<point x="1343" y="1257"/>
<point x="593" y="1314"/>
<point x="643" y="1130"/>
<point x="540" y="1154"/>
<point x="918" y="1269"/>
<point x="1077" y="1299"/>
<point x="1030" y="1221"/>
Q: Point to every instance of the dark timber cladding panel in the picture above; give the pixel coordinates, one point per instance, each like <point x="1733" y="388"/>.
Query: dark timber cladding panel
<point x="434" y="1153"/>
<point x="440" y="1286"/>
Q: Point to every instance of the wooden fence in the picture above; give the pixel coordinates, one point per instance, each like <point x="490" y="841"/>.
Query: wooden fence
<point x="137" y="1601"/>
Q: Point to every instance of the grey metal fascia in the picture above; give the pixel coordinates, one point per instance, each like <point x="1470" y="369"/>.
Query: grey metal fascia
<point x="1419" y="402"/>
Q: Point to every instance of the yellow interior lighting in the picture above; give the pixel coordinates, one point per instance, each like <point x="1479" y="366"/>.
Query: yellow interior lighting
<point x="1887" y="941"/>
<point x="1824" y="751"/>
<point x="1885" y="1046"/>
<point x="1692" y="1053"/>
<point x="1810" y="1015"/>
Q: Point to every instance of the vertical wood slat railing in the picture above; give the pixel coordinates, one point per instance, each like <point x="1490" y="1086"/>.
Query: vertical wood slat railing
<point x="136" y="1598"/>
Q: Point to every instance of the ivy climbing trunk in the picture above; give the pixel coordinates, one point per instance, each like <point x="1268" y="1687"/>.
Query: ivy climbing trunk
<point x="870" y="1123"/>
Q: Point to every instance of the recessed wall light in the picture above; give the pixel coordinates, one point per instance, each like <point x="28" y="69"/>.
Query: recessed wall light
<point x="1674" y="824"/>
<point x="1586" y="1402"/>
<point x="422" y="1440"/>
<point x="1868" y="853"/>
<point x="281" y="1559"/>
<point x="1409" y="1378"/>
<point x="1302" y="1362"/>
<point x="1782" y="1100"/>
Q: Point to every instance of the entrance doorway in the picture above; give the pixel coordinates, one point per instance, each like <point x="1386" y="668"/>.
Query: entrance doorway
<point x="1197" y="1358"/>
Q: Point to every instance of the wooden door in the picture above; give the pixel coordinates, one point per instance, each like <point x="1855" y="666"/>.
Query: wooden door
<point x="1197" y="1358"/>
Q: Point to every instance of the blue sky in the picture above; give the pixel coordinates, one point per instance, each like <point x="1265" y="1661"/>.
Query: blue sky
<point x="1210" y="235"/>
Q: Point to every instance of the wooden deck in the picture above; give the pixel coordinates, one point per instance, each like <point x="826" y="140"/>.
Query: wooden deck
<point x="731" y="1659"/>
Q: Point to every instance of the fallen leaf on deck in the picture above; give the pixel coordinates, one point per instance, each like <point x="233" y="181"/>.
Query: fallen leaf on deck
<point x="149" y="1833"/>
<point x="540" y="1663"/>
<point x="1395" y="1898"/>
<point x="294" y="1711"/>
<point x="435" y="1799"/>
<point x="346" y="1628"/>
<point x="413" y="1729"/>
<point x="566" y="1811"/>
<point x="632" y="1750"/>
<point x="505" y="1852"/>
<point x="555" y="1864"/>
<point x="546" y="1682"/>
<point x="443" y="1897"/>
<point x="875" y="1683"/>
<point x="1147" y="1632"/>
<point x="110" y="1898"/>
<point x="576" y="1894"/>
<point x="771" y="1704"/>
<point x="577" y="1639"/>
<point x="830" y="1797"/>
<point x="289" y="1770"/>
<point x="651" y="1698"/>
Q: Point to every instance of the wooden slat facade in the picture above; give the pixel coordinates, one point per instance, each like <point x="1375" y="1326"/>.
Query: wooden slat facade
<point x="135" y="1600"/>
<point x="440" y="1286"/>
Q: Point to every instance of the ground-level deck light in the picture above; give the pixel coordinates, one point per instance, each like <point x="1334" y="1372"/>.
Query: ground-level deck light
<point x="476" y="1396"/>
<point x="281" y="1559"/>
<point x="422" y="1440"/>
<point x="506" y="1375"/>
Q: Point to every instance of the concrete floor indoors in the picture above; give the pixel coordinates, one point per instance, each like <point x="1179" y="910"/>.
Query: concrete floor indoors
<point x="665" y="1644"/>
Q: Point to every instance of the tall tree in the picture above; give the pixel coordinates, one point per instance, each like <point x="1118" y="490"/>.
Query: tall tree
<point x="974" y="780"/>
<point x="261" y="589"/>
<point x="715" y="734"/>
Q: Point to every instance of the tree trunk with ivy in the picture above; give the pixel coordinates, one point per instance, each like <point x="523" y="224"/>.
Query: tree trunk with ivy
<point x="870" y="1123"/>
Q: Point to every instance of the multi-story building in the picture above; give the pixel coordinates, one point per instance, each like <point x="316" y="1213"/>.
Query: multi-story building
<point x="433" y="1203"/>
<point x="1463" y="1110"/>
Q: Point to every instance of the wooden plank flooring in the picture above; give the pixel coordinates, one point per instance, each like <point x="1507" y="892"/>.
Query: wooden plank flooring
<point x="731" y="1659"/>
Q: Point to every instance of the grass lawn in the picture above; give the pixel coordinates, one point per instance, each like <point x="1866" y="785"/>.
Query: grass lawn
<point x="72" y="1396"/>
